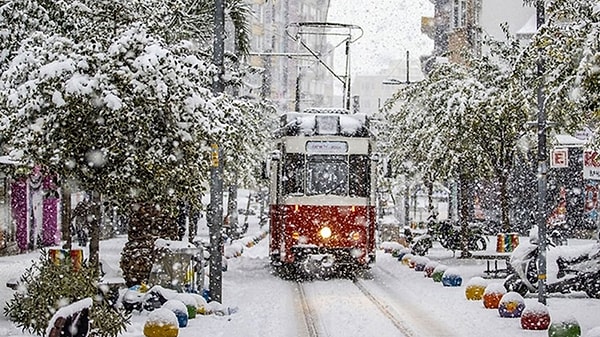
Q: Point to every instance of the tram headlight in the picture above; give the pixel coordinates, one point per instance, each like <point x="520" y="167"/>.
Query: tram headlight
<point x="325" y="232"/>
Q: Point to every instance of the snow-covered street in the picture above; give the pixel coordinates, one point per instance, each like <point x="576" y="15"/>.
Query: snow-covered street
<point x="400" y="301"/>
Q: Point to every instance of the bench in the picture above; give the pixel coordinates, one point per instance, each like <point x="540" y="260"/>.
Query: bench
<point x="493" y="270"/>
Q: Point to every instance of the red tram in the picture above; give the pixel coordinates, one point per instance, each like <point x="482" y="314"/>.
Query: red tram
<point x="322" y="192"/>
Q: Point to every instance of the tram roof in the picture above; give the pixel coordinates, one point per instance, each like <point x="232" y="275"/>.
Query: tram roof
<point x="325" y="122"/>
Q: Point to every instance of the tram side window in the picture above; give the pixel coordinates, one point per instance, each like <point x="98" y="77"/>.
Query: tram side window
<point x="293" y="167"/>
<point x="360" y="179"/>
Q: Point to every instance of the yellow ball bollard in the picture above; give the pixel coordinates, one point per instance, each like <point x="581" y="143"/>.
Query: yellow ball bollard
<point x="161" y="323"/>
<point x="475" y="288"/>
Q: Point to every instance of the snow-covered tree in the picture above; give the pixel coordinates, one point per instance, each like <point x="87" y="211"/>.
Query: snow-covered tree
<point x="129" y="122"/>
<point x="116" y="96"/>
<point x="437" y="127"/>
<point x="464" y="122"/>
<point x="569" y="50"/>
<point x="505" y="111"/>
<point x="503" y="100"/>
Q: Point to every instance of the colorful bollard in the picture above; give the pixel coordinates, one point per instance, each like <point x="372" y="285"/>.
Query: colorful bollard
<point x="475" y="288"/>
<point x="180" y="311"/>
<point x="535" y="316"/>
<point x="429" y="268"/>
<point x="438" y="272"/>
<point x="511" y="305"/>
<point x="420" y="263"/>
<point x="451" y="278"/>
<point x="565" y="328"/>
<point x="161" y="322"/>
<point x="492" y="295"/>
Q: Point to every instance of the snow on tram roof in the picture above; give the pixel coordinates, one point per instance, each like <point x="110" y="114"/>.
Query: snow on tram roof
<point x="324" y="123"/>
<point x="327" y="111"/>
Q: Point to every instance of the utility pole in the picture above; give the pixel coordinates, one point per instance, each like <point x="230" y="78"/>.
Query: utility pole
<point x="215" y="214"/>
<point x="542" y="166"/>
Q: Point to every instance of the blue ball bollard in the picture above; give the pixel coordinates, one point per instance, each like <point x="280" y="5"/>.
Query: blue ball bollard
<point x="451" y="278"/>
<point x="180" y="311"/>
<point x="420" y="263"/>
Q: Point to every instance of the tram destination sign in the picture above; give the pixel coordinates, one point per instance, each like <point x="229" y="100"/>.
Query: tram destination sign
<point x="326" y="147"/>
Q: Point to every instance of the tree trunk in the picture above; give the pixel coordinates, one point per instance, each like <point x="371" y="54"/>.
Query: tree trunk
<point x="94" y="228"/>
<point x="193" y="223"/>
<point x="465" y="202"/>
<point x="232" y="211"/>
<point x="147" y="224"/>
<point x="245" y="224"/>
<point x="429" y="184"/>
<point x="65" y="201"/>
<point x="504" y="204"/>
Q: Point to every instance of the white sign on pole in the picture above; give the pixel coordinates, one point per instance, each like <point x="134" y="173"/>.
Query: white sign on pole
<point x="559" y="158"/>
<point x="591" y="165"/>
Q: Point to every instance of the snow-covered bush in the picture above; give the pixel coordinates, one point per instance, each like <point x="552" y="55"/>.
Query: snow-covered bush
<point x="45" y="287"/>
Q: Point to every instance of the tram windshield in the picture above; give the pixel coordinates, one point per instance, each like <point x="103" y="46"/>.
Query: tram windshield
<point x="345" y="175"/>
<point x="327" y="175"/>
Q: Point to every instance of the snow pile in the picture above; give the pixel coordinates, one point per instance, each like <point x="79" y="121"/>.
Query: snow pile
<point x="536" y="308"/>
<point x="219" y="309"/>
<point x="440" y="269"/>
<point x="595" y="332"/>
<point x="162" y="316"/>
<point x="175" y="305"/>
<point x="186" y="298"/>
<point x="451" y="272"/>
<point x="236" y="248"/>
<point x="70" y="310"/>
<point x="390" y="246"/>
<point x="495" y="288"/>
<point x="476" y="281"/>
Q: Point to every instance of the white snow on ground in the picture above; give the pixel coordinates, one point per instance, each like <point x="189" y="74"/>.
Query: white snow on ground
<point x="268" y="305"/>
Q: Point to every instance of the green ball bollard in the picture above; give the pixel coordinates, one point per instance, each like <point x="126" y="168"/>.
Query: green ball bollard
<point x="568" y="328"/>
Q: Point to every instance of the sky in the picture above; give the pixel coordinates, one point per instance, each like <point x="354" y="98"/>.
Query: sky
<point x="267" y="306"/>
<point x="391" y="28"/>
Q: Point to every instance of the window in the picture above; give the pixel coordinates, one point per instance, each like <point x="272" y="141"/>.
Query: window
<point x="327" y="125"/>
<point x="293" y="169"/>
<point x="459" y="13"/>
<point x="327" y="175"/>
<point x="360" y="180"/>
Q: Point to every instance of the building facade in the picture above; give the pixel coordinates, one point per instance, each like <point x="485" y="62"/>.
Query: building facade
<point x="461" y="26"/>
<point x="29" y="210"/>
<point x="288" y="75"/>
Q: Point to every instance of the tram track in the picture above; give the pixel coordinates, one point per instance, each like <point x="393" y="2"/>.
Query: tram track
<point x="310" y="318"/>
<point x="360" y="294"/>
<point x="384" y="309"/>
<point x="408" y="305"/>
